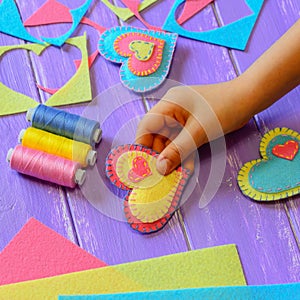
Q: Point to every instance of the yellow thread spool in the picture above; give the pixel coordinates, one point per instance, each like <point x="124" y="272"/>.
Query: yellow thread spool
<point x="57" y="145"/>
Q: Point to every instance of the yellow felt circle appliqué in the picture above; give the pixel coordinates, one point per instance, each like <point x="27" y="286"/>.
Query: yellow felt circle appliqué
<point x="277" y="175"/>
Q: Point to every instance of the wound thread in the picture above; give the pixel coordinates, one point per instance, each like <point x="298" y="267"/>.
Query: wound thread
<point x="46" y="166"/>
<point x="57" y="145"/>
<point x="65" y="124"/>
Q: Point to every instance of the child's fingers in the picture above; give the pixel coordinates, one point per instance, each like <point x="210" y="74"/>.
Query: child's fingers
<point x="179" y="149"/>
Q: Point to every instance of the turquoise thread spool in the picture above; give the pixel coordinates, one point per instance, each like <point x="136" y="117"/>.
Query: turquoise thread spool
<point x="65" y="124"/>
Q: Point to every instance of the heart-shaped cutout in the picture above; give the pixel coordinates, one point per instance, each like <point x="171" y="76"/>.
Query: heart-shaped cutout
<point x="145" y="55"/>
<point x="287" y="151"/>
<point x="76" y="90"/>
<point x="152" y="198"/>
<point x="140" y="169"/>
<point x="145" y="52"/>
<point x="276" y="175"/>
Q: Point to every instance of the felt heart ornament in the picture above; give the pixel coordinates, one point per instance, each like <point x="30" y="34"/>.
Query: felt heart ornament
<point x="145" y="55"/>
<point x="152" y="198"/>
<point x="277" y="175"/>
<point x="287" y="151"/>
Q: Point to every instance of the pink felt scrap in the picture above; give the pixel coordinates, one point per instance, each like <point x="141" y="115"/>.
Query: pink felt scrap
<point x="135" y="65"/>
<point x="191" y="8"/>
<point x="52" y="12"/>
<point x="38" y="252"/>
<point x="133" y="5"/>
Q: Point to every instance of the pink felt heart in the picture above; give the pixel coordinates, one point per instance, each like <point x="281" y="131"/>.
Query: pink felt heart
<point x="133" y="44"/>
<point x="140" y="169"/>
<point x="287" y="151"/>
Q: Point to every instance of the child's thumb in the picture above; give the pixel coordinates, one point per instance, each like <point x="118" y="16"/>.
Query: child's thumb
<point x="174" y="154"/>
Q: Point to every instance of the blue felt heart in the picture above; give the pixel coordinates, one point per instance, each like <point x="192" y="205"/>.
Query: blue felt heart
<point x="233" y="35"/>
<point x="130" y="79"/>
<point x="277" y="175"/>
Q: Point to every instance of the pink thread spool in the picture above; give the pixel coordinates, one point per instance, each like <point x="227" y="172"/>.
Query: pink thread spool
<point x="46" y="166"/>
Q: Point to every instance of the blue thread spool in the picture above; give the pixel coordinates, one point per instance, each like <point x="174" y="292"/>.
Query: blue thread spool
<point x="65" y="124"/>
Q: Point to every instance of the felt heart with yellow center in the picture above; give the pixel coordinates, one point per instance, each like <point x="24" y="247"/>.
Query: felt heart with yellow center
<point x="152" y="198"/>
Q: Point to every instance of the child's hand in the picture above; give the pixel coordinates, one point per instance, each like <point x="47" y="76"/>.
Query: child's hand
<point x="187" y="117"/>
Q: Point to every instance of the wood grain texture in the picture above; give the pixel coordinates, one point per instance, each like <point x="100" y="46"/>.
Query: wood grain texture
<point x="266" y="235"/>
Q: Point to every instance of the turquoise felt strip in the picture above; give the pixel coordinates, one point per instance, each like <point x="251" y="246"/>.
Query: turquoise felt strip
<point x="263" y="292"/>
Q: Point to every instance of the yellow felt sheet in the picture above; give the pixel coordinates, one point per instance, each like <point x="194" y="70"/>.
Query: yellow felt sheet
<point x="218" y="266"/>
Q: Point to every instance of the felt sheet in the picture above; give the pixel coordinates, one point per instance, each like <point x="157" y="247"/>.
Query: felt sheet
<point x="133" y="5"/>
<point x="76" y="90"/>
<point x="11" y="23"/>
<point x="262" y="292"/>
<point x="152" y="198"/>
<point x="276" y="175"/>
<point x="191" y="8"/>
<point x="124" y="13"/>
<point x="234" y="35"/>
<point x="77" y="15"/>
<point x="37" y="252"/>
<point x="112" y="46"/>
<point x="52" y="12"/>
<point x="218" y="266"/>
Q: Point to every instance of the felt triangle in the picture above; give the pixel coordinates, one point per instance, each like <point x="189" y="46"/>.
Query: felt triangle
<point x="52" y="12"/>
<point x="134" y="5"/>
<point x="38" y="252"/>
<point x="11" y="23"/>
<point x="218" y="266"/>
<point x="234" y="35"/>
<point x="124" y="13"/>
<point x="191" y="8"/>
<point x="77" y="14"/>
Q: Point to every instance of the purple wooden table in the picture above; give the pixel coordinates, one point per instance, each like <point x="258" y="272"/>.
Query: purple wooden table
<point x="267" y="235"/>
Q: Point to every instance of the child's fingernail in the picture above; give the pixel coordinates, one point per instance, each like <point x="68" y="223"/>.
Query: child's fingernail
<point x="162" y="165"/>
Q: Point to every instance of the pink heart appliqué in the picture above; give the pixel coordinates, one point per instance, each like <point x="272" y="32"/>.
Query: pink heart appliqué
<point x="287" y="151"/>
<point x="133" y="44"/>
<point x="140" y="169"/>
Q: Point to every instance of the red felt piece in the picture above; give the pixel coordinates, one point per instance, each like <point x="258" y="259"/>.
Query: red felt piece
<point x="287" y="151"/>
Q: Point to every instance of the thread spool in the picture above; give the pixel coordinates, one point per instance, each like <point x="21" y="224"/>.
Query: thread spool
<point x="46" y="166"/>
<point x="65" y="124"/>
<point x="57" y="145"/>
